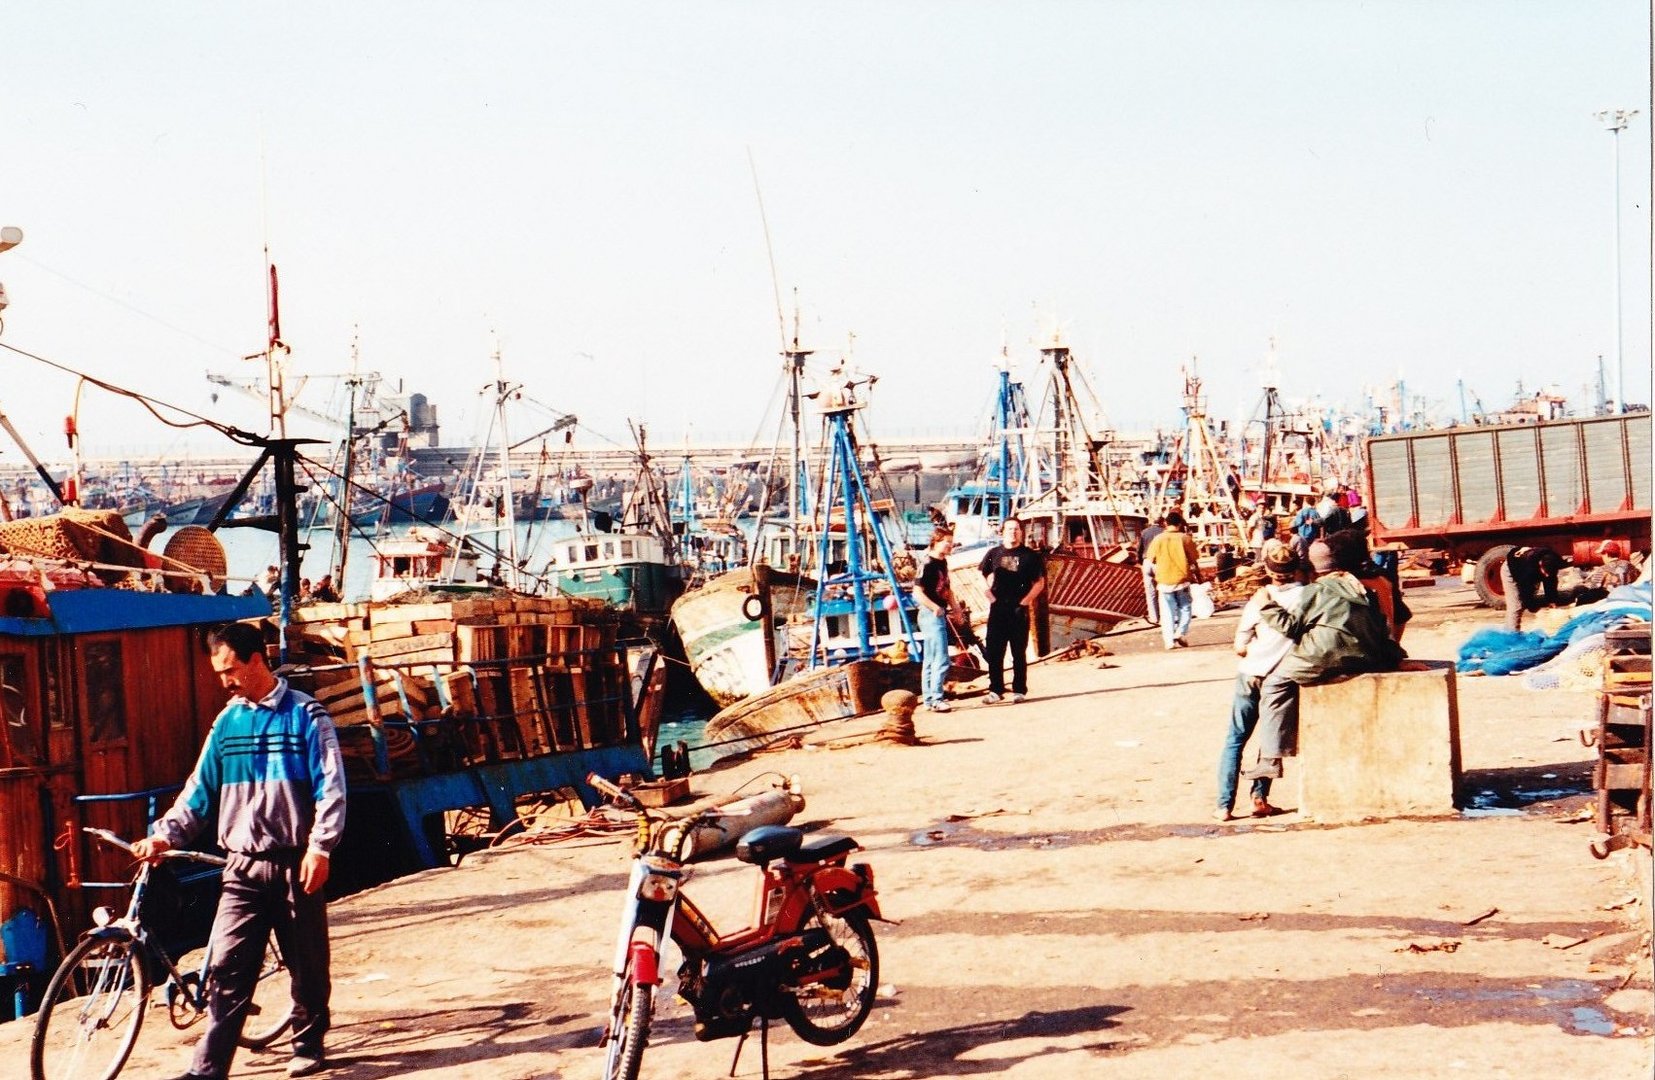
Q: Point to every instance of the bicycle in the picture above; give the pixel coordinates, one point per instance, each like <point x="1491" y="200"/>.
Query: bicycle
<point x="95" y="1003"/>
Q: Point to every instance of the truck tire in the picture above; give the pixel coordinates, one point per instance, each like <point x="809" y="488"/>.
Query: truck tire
<point x="1487" y="576"/>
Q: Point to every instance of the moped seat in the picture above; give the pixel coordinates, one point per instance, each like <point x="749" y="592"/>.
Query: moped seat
<point x="824" y="847"/>
<point x="768" y="843"/>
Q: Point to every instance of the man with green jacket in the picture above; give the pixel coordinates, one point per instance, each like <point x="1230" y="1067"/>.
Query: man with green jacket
<point x="1337" y="629"/>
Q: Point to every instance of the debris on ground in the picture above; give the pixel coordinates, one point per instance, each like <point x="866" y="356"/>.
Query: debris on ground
<point x="1446" y="945"/>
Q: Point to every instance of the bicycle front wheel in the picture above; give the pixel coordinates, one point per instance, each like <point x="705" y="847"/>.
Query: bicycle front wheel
<point x="626" y="1050"/>
<point x="90" y="1016"/>
<point x="271" y="1012"/>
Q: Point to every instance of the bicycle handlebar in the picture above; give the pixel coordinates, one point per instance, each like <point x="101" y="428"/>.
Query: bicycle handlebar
<point x="171" y="853"/>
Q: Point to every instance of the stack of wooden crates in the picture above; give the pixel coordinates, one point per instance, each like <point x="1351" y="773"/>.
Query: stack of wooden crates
<point x="1621" y="774"/>
<point x="417" y="688"/>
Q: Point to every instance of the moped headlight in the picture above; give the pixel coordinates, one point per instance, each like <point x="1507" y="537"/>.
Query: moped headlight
<point x="102" y="916"/>
<point x="658" y="887"/>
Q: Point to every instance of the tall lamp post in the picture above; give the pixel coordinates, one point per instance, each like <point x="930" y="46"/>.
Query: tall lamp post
<point x="1615" y="122"/>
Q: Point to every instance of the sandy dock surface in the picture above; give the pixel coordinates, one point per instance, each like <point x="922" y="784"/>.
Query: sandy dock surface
<point x="1065" y="906"/>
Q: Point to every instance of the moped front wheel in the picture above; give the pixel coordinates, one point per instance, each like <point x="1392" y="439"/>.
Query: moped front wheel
<point x="91" y="1013"/>
<point x="829" y="1010"/>
<point x="631" y="1035"/>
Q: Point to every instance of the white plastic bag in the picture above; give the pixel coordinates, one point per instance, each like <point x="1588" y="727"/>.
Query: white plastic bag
<point x="1201" y="600"/>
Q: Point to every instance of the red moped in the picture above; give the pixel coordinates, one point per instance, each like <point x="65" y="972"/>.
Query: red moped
<point x="809" y="957"/>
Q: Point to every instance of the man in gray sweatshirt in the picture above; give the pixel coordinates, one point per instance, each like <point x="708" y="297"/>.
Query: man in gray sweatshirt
<point x="273" y="775"/>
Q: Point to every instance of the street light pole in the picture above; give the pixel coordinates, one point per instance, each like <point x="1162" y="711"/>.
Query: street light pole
<point x="1615" y="121"/>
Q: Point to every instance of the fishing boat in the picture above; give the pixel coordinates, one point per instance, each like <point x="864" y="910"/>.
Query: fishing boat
<point x="855" y="640"/>
<point x="1004" y="480"/>
<point x="107" y="695"/>
<point x="739" y="628"/>
<point x="421" y="560"/>
<point x="636" y="567"/>
<point x="1045" y="466"/>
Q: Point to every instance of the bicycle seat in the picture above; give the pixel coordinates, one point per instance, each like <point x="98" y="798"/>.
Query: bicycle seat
<point x="768" y="843"/>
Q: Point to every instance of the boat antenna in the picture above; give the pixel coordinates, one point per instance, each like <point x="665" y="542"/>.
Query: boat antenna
<point x="770" y="253"/>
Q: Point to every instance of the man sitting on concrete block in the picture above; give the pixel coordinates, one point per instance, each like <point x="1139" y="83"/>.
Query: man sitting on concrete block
<point x="1336" y="628"/>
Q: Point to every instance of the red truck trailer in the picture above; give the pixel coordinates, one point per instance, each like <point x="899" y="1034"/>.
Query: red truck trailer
<point x="1478" y="492"/>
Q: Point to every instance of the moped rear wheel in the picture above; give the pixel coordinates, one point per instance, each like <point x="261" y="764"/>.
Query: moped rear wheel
<point x="626" y="1051"/>
<point x="91" y="1013"/>
<point x="828" y="1012"/>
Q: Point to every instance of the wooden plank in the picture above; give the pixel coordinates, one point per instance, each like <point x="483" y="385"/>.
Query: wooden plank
<point x="321" y="612"/>
<point x="582" y="711"/>
<point x="527" y="707"/>
<point x="348" y="718"/>
<point x="425" y="657"/>
<point x="408" y="613"/>
<point x="517" y="641"/>
<point x="384" y="629"/>
<point x="434" y="626"/>
<point x="400" y="646"/>
<point x="457" y="688"/>
<point x="561" y="699"/>
<point x="474" y="643"/>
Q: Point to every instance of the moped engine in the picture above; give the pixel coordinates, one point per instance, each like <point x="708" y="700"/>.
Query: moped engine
<point x="728" y="992"/>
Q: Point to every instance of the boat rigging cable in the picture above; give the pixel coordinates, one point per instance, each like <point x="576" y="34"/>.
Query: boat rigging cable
<point x="149" y="403"/>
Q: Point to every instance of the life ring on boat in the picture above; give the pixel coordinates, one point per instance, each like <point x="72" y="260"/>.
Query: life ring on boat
<point x="752" y="608"/>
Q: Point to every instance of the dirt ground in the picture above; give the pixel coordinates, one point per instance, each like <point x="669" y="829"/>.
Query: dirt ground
<point x="1064" y="906"/>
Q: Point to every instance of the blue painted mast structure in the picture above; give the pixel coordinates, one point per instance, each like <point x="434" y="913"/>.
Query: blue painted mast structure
<point x="844" y="485"/>
<point x="1006" y="471"/>
<point x="1011" y="419"/>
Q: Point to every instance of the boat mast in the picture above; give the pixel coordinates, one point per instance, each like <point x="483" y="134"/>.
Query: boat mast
<point x="842" y="468"/>
<point x="353" y="381"/>
<point x="796" y="466"/>
<point x="503" y="392"/>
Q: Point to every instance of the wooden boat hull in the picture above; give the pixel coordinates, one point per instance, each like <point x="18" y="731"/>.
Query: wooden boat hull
<point x="1084" y="597"/>
<point x="1087" y="597"/>
<point x="725" y="648"/>
<point x="808" y="699"/>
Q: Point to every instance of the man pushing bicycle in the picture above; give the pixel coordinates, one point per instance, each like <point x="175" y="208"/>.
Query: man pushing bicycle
<point x="272" y="772"/>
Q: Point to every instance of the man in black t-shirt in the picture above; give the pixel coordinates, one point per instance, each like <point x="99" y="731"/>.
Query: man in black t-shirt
<point x="936" y="605"/>
<point x="1016" y="576"/>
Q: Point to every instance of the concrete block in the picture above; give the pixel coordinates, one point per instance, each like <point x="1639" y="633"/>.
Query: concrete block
<point x="1380" y="745"/>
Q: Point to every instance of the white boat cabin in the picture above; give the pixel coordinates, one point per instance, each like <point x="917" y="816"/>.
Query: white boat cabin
<point x="421" y="559"/>
<point x="600" y="551"/>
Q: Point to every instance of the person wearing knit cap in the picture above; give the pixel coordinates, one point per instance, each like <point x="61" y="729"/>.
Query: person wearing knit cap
<point x="1260" y="647"/>
<point x="1336" y="629"/>
<point x="1613" y="572"/>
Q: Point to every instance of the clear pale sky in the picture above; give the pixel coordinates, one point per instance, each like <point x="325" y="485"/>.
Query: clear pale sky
<point x="1413" y="190"/>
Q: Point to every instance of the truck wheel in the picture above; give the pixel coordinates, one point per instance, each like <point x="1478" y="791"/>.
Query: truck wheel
<point x="1487" y="576"/>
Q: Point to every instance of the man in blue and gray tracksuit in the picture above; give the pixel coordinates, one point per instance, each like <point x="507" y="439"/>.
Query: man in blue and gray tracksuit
<point x="272" y="773"/>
